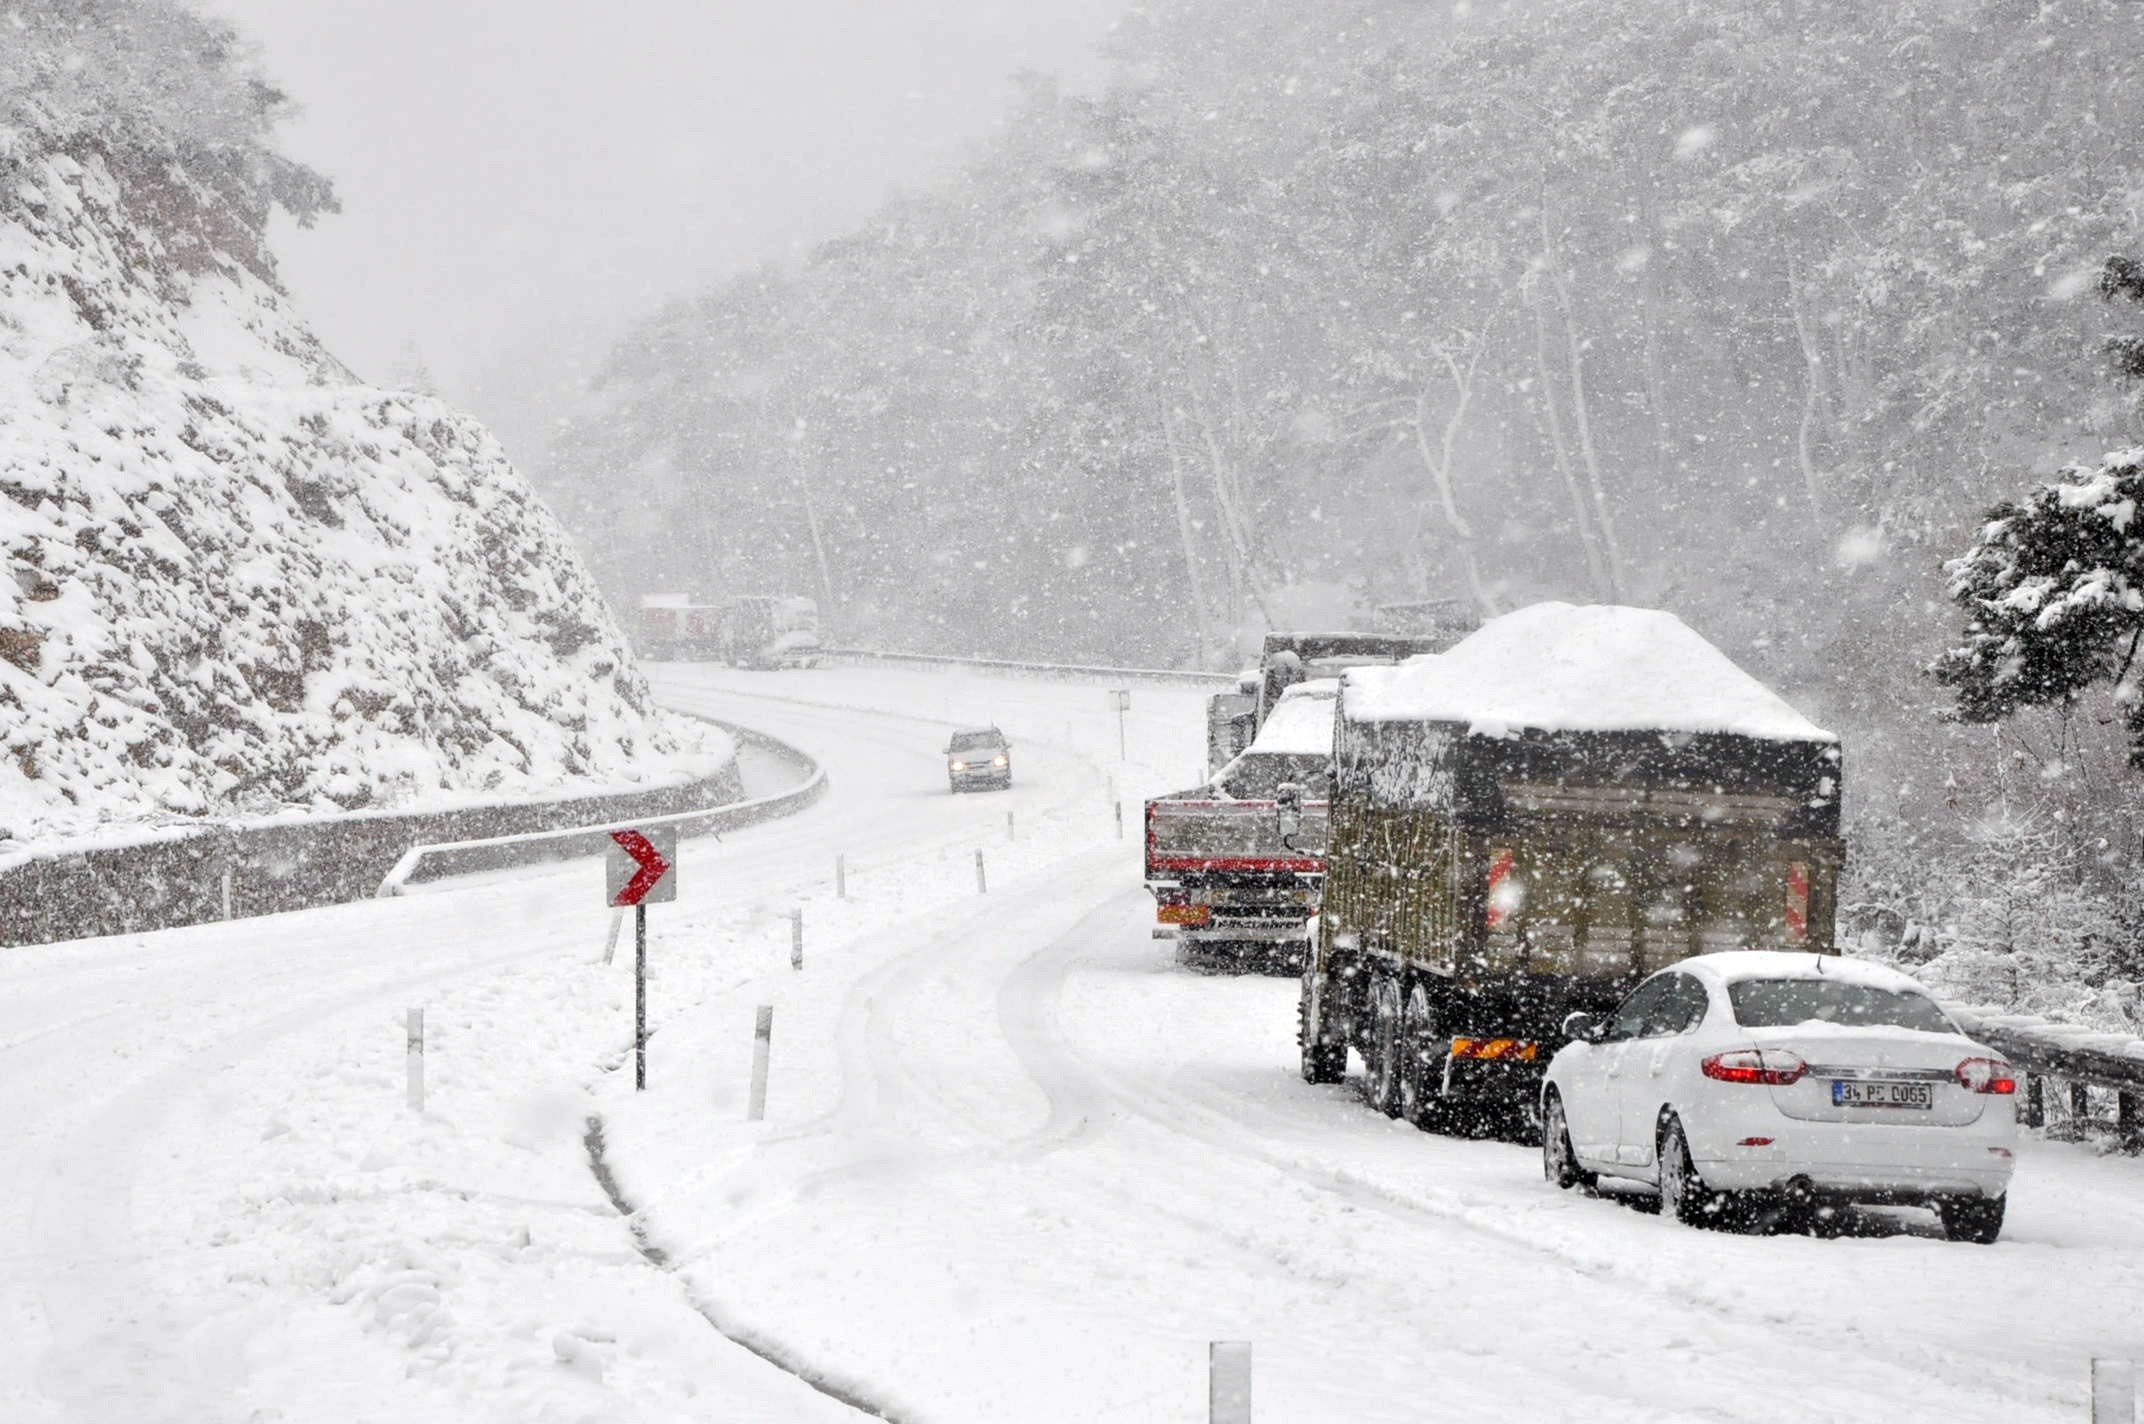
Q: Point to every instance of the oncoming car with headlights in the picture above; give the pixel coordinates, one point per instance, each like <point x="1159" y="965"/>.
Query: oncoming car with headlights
<point x="1805" y="1080"/>
<point x="979" y="756"/>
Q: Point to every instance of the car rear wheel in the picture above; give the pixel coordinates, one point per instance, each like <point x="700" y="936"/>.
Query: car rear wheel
<point x="1382" y="1081"/>
<point x="1559" y="1163"/>
<point x="1975" y="1219"/>
<point x="1683" y="1193"/>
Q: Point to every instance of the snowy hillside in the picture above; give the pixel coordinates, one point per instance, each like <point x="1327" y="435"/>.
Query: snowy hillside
<point x="240" y="581"/>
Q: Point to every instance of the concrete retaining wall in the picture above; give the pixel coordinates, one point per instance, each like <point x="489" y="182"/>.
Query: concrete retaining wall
<point x="178" y="878"/>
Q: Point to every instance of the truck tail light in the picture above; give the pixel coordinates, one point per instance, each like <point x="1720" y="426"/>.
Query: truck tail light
<point x="1505" y="894"/>
<point x="1773" y="1067"/>
<point x="1986" y="1075"/>
<point x="1797" y="906"/>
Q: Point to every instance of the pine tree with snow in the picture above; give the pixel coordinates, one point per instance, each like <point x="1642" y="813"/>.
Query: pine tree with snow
<point x="2053" y="587"/>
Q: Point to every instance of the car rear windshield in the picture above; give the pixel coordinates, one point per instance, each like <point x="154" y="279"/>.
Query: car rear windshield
<point x="1776" y="1003"/>
<point x="976" y="741"/>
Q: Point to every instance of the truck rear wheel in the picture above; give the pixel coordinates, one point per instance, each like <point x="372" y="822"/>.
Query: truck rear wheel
<point x="1421" y="1100"/>
<point x="1322" y="1062"/>
<point x="1382" y="1081"/>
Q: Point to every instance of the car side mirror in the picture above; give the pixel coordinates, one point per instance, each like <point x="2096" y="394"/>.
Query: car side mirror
<point x="1582" y="1028"/>
<point x="1288" y="807"/>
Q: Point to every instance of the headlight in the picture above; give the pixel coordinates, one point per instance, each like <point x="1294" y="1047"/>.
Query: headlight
<point x="960" y="766"/>
<point x="997" y="761"/>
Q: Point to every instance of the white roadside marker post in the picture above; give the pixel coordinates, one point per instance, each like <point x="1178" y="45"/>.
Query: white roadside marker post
<point x="841" y="877"/>
<point x="2114" y="1392"/>
<point x="1228" y="1382"/>
<point x="1121" y="701"/>
<point x="762" y="1040"/>
<point x="1009" y="836"/>
<point x="413" y="1027"/>
<point x="227" y="878"/>
<point x="610" y="946"/>
<point x="1120" y="820"/>
<point x="982" y="886"/>
<point x="796" y="938"/>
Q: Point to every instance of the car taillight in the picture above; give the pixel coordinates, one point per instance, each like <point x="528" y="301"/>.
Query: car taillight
<point x="1986" y="1075"/>
<point x="1771" y="1066"/>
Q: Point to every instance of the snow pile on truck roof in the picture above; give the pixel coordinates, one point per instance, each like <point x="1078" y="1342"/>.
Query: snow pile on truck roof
<point x="1556" y="667"/>
<point x="1301" y="723"/>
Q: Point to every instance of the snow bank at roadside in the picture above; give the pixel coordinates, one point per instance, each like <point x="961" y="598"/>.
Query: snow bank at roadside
<point x="241" y="584"/>
<point x="1556" y="667"/>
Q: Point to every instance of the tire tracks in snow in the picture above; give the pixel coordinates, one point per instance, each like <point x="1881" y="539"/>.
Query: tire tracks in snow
<point x="1082" y="1089"/>
<point x="787" y="1361"/>
<point x="98" y="1309"/>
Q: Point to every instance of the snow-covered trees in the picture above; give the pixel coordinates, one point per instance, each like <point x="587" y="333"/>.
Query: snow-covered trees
<point x="169" y="97"/>
<point x="2053" y="587"/>
<point x="1572" y="298"/>
<point x="2054" y="592"/>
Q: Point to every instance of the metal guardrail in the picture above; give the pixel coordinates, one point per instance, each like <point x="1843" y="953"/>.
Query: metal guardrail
<point x="498" y="852"/>
<point x="2080" y="1058"/>
<point x="1175" y="676"/>
<point x="138" y="881"/>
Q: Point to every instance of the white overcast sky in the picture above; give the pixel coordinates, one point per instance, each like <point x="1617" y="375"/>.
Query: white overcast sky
<point x="522" y="178"/>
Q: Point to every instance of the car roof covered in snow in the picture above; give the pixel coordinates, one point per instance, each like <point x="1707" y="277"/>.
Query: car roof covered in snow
<point x="1301" y="723"/>
<point x="1564" y="668"/>
<point x="1735" y="965"/>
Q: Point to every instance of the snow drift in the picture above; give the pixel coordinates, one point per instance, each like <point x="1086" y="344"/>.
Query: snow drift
<point x="241" y="582"/>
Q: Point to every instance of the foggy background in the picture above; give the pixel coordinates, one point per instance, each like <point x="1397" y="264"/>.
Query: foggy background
<point x="521" y="182"/>
<point x="1285" y="314"/>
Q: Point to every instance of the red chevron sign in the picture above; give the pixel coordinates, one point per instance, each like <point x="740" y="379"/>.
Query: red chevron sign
<point x="638" y="869"/>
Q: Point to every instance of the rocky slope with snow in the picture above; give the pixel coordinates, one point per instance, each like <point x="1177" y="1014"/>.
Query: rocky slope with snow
<point x="239" y="581"/>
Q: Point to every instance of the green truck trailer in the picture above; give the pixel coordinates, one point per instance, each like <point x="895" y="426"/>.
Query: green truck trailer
<point x="1523" y="827"/>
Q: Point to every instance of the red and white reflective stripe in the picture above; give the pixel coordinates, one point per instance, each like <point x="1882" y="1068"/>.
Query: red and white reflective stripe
<point x="1499" y="868"/>
<point x="1797" y="900"/>
<point x="1259" y="863"/>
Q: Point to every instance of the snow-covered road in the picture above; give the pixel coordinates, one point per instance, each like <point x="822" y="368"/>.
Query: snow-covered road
<point x="1016" y="1164"/>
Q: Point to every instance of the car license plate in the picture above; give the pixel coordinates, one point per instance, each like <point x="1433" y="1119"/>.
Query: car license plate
<point x="1846" y="1093"/>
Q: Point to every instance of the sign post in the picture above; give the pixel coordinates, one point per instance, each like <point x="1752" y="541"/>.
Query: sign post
<point x="636" y="874"/>
<point x="1120" y="701"/>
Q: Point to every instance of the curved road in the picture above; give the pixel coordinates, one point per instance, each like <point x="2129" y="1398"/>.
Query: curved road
<point x="1015" y="1163"/>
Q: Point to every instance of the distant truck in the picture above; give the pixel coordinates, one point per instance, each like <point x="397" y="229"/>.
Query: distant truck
<point x="769" y="631"/>
<point x="1226" y="875"/>
<point x="1523" y="827"/>
<point x="749" y="630"/>
<point x="1233" y="718"/>
<point x="1231" y="721"/>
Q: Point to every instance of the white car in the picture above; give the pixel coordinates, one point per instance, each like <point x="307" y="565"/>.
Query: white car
<point x="1807" y="1079"/>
